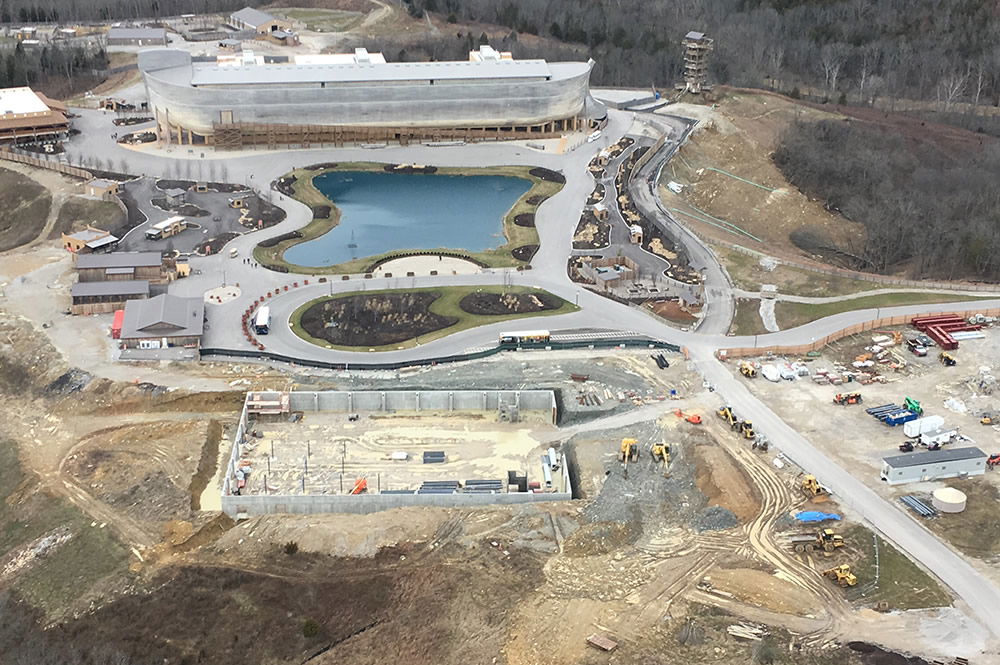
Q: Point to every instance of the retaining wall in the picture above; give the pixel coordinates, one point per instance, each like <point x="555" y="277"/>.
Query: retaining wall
<point x="425" y="400"/>
<point x="371" y="503"/>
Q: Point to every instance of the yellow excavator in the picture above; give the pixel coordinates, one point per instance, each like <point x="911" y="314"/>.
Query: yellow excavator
<point x="726" y="413"/>
<point x="661" y="453"/>
<point x="629" y="452"/>
<point x="842" y="575"/>
<point x="947" y="359"/>
<point x="812" y="487"/>
<point x="748" y="370"/>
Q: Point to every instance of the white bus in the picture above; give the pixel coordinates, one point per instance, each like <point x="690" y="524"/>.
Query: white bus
<point x="166" y="228"/>
<point x="526" y="337"/>
<point x="262" y="322"/>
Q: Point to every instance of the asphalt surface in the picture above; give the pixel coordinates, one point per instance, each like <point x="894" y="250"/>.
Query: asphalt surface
<point x="556" y="221"/>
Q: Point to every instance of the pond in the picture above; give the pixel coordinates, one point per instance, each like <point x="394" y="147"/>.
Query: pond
<point x="381" y="212"/>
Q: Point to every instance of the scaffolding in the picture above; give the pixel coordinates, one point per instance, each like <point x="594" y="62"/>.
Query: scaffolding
<point x="696" y="49"/>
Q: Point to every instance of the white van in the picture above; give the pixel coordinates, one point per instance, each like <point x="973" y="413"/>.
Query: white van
<point x="593" y="137"/>
<point x="233" y="253"/>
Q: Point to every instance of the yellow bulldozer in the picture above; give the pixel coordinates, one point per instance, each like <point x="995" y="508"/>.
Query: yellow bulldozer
<point x="745" y="429"/>
<point x="813" y="489"/>
<point x="947" y="359"/>
<point x="661" y="454"/>
<point x="629" y="452"/>
<point x="748" y="370"/>
<point x="824" y="539"/>
<point x="842" y="575"/>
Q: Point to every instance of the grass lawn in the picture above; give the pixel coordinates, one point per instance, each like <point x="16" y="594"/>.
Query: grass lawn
<point x="747" y="320"/>
<point x="445" y="305"/>
<point x="901" y="583"/>
<point x="321" y="20"/>
<point x="792" y="314"/>
<point x="498" y="257"/>
<point x="78" y="211"/>
<point x="68" y="571"/>
<point x="976" y="530"/>
<point x="746" y="274"/>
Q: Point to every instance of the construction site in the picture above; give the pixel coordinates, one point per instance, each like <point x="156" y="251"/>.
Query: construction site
<point x="920" y="404"/>
<point x="302" y="452"/>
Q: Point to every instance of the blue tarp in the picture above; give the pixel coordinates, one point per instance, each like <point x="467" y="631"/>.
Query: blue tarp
<point x="816" y="516"/>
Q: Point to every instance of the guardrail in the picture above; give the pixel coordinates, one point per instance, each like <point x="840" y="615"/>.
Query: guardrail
<point x="422" y="362"/>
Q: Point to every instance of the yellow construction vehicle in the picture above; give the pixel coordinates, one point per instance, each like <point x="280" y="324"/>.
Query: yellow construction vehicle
<point x="812" y="487"/>
<point x="947" y="359"/>
<point x="745" y="428"/>
<point x="661" y="453"/>
<point x="987" y="418"/>
<point x="825" y="539"/>
<point x="726" y="413"/>
<point x="842" y="575"/>
<point x="629" y="452"/>
<point x="748" y="370"/>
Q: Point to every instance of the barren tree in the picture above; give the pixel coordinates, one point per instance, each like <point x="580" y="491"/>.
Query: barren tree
<point x="832" y="58"/>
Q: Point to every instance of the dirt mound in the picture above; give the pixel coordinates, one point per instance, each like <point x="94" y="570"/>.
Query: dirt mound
<point x="508" y="303"/>
<point x="144" y="470"/>
<point x="526" y="219"/>
<point x="761" y="589"/>
<point x="724" y="484"/>
<point x="601" y="538"/>
<point x="374" y="320"/>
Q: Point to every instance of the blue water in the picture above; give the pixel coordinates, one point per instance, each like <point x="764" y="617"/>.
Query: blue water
<point x="381" y="212"/>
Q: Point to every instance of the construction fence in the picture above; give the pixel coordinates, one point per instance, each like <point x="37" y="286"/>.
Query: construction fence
<point x="51" y="165"/>
<point x="867" y="326"/>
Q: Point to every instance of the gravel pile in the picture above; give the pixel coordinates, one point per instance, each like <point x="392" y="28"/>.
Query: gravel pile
<point x="715" y="518"/>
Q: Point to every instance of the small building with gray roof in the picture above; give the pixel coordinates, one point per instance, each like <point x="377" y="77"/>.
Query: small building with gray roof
<point x="104" y="297"/>
<point x="260" y="22"/>
<point x="162" y="322"/>
<point x="137" y="37"/>
<point x="933" y="465"/>
<point x="119" y="266"/>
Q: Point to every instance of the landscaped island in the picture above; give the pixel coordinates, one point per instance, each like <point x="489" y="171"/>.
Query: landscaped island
<point x="387" y="320"/>
<point x="483" y="214"/>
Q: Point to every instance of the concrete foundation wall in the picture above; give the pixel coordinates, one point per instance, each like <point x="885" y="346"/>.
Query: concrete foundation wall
<point x="432" y="400"/>
<point x="371" y="503"/>
<point x="479" y="103"/>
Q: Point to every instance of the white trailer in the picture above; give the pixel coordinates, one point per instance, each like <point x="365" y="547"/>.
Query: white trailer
<point x="915" y="428"/>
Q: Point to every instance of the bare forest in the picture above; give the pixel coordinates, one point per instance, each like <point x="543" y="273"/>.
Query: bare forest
<point x="925" y="212"/>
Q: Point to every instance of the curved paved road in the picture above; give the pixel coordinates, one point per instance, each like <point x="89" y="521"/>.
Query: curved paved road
<point x="556" y="220"/>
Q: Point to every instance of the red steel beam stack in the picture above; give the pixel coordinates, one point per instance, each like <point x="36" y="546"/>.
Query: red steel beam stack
<point x="940" y="327"/>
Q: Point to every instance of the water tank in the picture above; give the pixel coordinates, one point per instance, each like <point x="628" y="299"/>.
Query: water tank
<point x="948" y="500"/>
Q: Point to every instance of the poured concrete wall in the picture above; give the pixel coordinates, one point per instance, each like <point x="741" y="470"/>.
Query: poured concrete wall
<point x="252" y="506"/>
<point x="472" y="103"/>
<point x="426" y="400"/>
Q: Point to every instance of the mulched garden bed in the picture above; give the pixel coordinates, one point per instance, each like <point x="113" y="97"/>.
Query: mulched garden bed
<point x="508" y="303"/>
<point x="524" y="252"/>
<point x="271" y="242"/>
<point x="322" y="212"/>
<point x="374" y="320"/>
<point x="284" y="185"/>
<point x="547" y="175"/>
<point x="214" y="245"/>
<point x="526" y="219"/>
<point x="601" y="234"/>
<point x="322" y="166"/>
<point x="130" y="121"/>
<point x="224" y="187"/>
<point x="186" y="209"/>
<point x="536" y="200"/>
